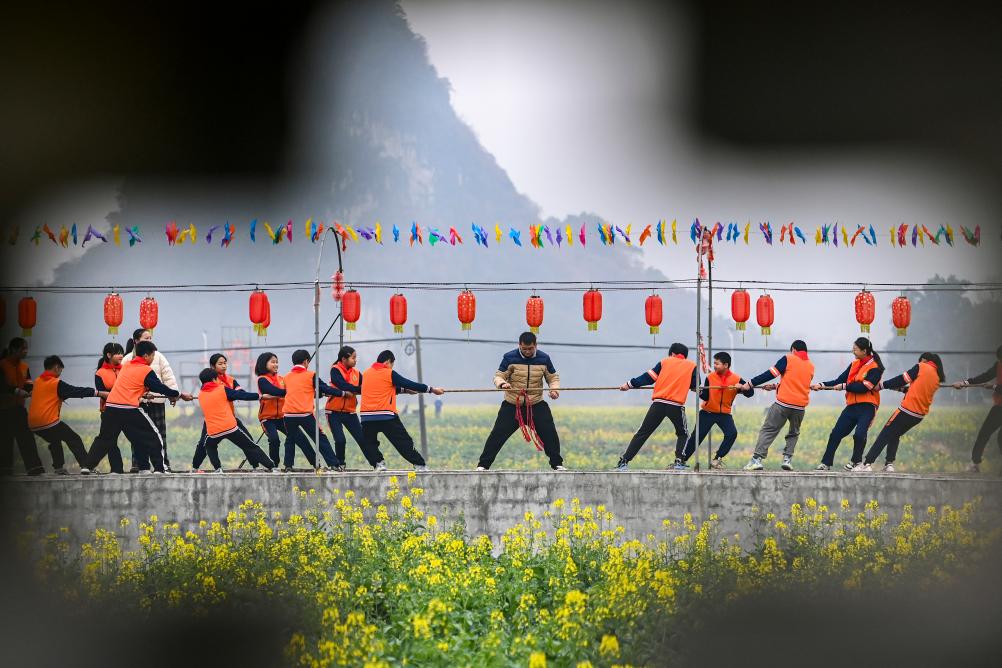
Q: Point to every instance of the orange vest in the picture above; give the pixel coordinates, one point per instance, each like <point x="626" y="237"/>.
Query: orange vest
<point x="216" y="409"/>
<point x="231" y="383"/>
<point x="131" y="385"/>
<point x="45" y="404"/>
<point x="15" y="374"/>
<point x="673" y="382"/>
<point x="795" y="389"/>
<point x="921" y="390"/>
<point x="272" y="409"/>
<point x="344" y="404"/>
<point x="299" y="392"/>
<point x="379" y="394"/>
<point x="857" y="373"/>
<point x="720" y="400"/>
<point x="108" y="375"/>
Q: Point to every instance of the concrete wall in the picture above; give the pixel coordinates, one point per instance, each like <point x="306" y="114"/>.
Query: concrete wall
<point x="489" y="502"/>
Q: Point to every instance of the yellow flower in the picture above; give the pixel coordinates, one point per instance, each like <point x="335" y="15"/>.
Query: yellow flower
<point x="537" y="660"/>
<point x="609" y="647"/>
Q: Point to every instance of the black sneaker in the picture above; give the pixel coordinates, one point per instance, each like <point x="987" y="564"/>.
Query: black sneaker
<point x="38" y="470"/>
<point x="134" y="469"/>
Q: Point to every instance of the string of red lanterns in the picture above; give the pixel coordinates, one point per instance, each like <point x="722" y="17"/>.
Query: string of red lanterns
<point x="466" y="310"/>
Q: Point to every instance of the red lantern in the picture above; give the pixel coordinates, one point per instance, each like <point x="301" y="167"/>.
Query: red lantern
<point x="765" y="314"/>
<point x="148" y="313"/>
<point x="740" y="308"/>
<point x="653" y="313"/>
<point x="263" y="327"/>
<point x="466" y="309"/>
<point x="398" y="312"/>
<point x="534" y="313"/>
<point x="113" y="312"/>
<point x="259" y="310"/>
<point x="351" y="308"/>
<point x="865" y="308"/>
<point x="901" y="314"/>
<point x="592" y="309"/>
<point x="27" y="311"/>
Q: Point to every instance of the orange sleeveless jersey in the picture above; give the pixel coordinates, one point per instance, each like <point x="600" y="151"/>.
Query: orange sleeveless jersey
<point x="921" y="390"/>
<point x="130" y="385"/>
<point x="108" y="375"/>
<point x="857" y="373"/>
<point x="43" y="412"/>
<point x="795" y="389"/>
<point x="298" y="392"/>
<point x="15" y="375"/>
<point x="673" y="382"/>
<point x="720" y="401"/>
<point x="379" y="394"/>
<point x="272" y="409"/>
<point x="216" y="409"/>
<point x="344" y="404"/>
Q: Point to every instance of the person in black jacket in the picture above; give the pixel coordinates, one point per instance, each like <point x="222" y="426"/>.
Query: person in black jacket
<point x="993" y="421"/>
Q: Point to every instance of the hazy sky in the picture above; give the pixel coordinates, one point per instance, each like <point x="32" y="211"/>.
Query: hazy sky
<point x="568" y="97"/>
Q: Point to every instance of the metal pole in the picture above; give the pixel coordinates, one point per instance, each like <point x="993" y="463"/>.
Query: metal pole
<point x="420" y="398"/>
<point x="316" y="351"/>
<point x="699" y="331"/>
<point x="709" y="358"/>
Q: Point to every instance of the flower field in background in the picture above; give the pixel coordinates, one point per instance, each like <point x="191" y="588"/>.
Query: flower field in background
<point x="594" y="438"/>
<point x="381" y="582"/>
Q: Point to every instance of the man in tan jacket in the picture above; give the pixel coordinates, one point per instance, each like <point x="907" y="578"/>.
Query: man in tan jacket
<point x="522" y="374"/>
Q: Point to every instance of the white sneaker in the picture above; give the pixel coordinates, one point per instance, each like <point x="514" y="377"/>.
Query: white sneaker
<point x="754" y="465"/>
<point x="380" y="467"/>
<point x="823" y="467"/>
<point x="848" y="466"/>
<point x="862" y="467"/>
<point x="888" y="468"/>
<point x="145" y="472"/>
<point x="84" y="471"/>
<point x="219" y="470"/>
<point x="559" y="468"/>
<point x="481" y="468"/>
<point x="974" y="468"/>
<point x="422" y="468"/>
<point x="787" y="464"/>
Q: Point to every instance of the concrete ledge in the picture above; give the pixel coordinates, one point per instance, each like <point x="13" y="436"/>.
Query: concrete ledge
<point x="488" y="502"/>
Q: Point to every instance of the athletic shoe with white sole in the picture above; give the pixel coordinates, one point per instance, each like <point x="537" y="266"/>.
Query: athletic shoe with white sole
<point x="717" y="463"/>
<point x="422" y="468"/>
<point x="974" y="468"/>
<point x="848" y="466"/>
<point x="823" y="467"/>
<point x="559" y="468"/>
<point x="888" y="468"/>
<point x="754" y="465"/>
<point x="862" y="467"/>
<point x="481" y="468"/>
<point x="380" y="467"/>
<point x="787" y="464"/>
